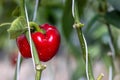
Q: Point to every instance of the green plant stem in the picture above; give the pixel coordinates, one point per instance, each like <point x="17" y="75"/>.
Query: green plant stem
<point x="22" y="6"/>
<point x="76" y="15"/>
<point x="111" y="66"/>
<point x="38" y="75"/>
<point x="80" y="36"/>
<point x="112" y="56"/>
<point x="112" y="39"/>
<point x="36" y="27"/>
<point x="81" y="39"/>
<point x="15" y="75"/>
<point x="39" y="69"/>
<point x="5" y="24"/>
<point x="78" y="27"/>
<point x="38" y="66"/>
<point x="35" y="55"/>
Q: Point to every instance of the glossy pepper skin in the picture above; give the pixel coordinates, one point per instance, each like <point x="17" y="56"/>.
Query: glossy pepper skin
<point x="47" y="44"/>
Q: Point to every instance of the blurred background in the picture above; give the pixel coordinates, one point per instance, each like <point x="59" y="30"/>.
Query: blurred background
<point x="98" y="16"/>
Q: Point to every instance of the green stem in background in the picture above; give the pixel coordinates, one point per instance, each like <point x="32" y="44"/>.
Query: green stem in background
<point x="112" y="55"/>
<point x="22" y="6"/>
<point x="36" y="27"/>
<point x="104" y="8"/>
<point x="82" y="41"/>
<point x="35" y="10"/>
<point x="19" y="61"/>
<point x="112" y="45"/>
<point x="5" y="24"/>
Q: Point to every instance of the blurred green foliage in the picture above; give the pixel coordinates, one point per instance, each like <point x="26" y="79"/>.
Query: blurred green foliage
<point x="58" y="12"/>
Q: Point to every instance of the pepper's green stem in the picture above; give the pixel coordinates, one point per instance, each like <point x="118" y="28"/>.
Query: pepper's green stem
<point x="36" y="27"/>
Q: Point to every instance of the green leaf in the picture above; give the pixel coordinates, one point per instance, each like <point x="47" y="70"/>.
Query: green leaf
<point x="91" y="23"/>
<point x="67" y="19"/>
<point x="113" y="18"/>
<point x="17" y="27"/>
<point x="81" y="4"/>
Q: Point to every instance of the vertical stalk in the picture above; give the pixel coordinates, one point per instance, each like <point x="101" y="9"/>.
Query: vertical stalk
<point x="82" y="41"/>
<point x="39" y="69"/>
<point x="112" y="45"/>
<point x="36" y="62"/>
<point x="35" y="10"/>
<point x="89" y="71"/>
<point x="38" y="75"/>
<point x="19" y="61"/>
<point x="112" y="56"/>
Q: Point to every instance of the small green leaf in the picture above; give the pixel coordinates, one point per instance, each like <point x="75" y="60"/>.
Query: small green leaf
<point x="67" y="19"/>
<point x="113" y="18"/>
<point x="17" y="27"/>
<point x="81" y="4"/>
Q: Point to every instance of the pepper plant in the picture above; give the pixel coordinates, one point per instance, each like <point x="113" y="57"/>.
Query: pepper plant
<point x="88" y="28"/>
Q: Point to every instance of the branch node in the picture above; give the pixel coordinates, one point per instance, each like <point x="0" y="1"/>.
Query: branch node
<point x="40" y="67"/>
<point x="78" y="25"/>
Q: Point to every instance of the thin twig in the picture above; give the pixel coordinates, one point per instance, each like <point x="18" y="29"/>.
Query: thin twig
<point x="112" y="56"/>
<point x="110" y="73"/>
<point x="86" y="58"/>
<point x="18" y="64"/>
<point x="30" y="39"/>
<point x="35" y="10"/>
<point x="17" y="70"/>
<point x="5" y="24"/>
<point x="36" y="62"/>
<point x="73" y="9"/>
<point x="82" y="41"/>
<point x="111" y="43"/>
